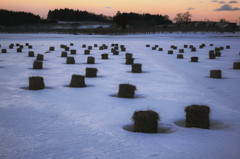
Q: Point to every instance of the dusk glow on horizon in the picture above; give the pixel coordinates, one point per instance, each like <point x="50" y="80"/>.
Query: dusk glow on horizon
<point x="212" y="10"/>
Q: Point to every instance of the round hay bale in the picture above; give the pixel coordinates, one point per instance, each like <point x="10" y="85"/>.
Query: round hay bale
<point x="70" y="60"/>
<point x="179" y="56"/>
<point x="181" y="50"/>
<point x="197" y="116"/>
<point x="51" y="48"/>
<point x="137" y="68"/>
<point x="77" y="81"/>
<point x="236" y="65"/>
<point x="154" y="48"/>
<point x="84" y="46"/>
<point x="30" y="54"/>
<point x="21" y="46"/>
<point x="19" y="50"/>
<point x="211" y="45"/>
<point x="212" y="56"/>
<point x="40" y="57"/>
<point x="194" y="59"/>
<point x="147" y="45"/>
<point x="4" y="50"/>
<point x="95" y="45"/>
<point x="36" y="83"/>
<point x="228" y="47"/>
<point x="64" y="54"/>
<point x="128" y="55"/>
<point x="191" y="46"/>
<point x="86" y="52"/>
<point x="91" y="72"/>
<point x="62" y="46"/>
<point x="218" y="54"/>
<point x="27" y="44"/>
<point x="129" y="61"/>
<point x="145" y="121"/>
<point x="126" y="91"/>
<point x="170" y="52"/>
<point x="17" y="44"/>
<point x="123" y="49"/>
<point x="104" y="56"/>
<point x="90" y="60"/>
<point x="185" y="46"/>
<point x="30" y="46"/>
<point x="73" y="52"/>
<point x="37" y="64"/>
<point x="215" y="74"/>
<point x="71" y="44"/>
<point x="217" y="49"/>
<point x="160" y="49"/>
<point x="100" y="47"/>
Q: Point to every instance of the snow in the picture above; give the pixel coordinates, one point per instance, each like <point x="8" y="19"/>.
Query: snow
<point x="62" y="122"/>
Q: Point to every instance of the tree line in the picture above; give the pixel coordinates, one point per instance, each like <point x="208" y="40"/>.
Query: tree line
<point x="17" y="18"/>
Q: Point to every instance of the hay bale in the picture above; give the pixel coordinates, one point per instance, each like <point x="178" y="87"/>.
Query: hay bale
<point x="212" y="55"/>
<point x="129" y="61"/>
<point x="30" y="47"/>
<point x="4" y="50"/>
<point x="90" y="60"/>
<point x="84" y="46"/>
<point x="67" y="48"/>
<point x="27" y="44"/>
<point x="71" y="44"/>
<point x="211" y="45"/>
<point x="147" y="45"/>
<point x="154" y="48"/>
<point x="215" y="74"/>
<point x="104" y="56"/>
<point x="170" y="52"/>
<point x="160" y="49"/>
<point x="77" y="81"/>
<point x="100" y="47"/>
<point x="89" y="47"/>
<point x="11" y="46"/>
<point x="62" y="46"/>
<point x="197" y="116"/>
<point x="221" y="48"/>
<point x="64" y="54"/>
<point x="228" y="47"/>
<point x="185" y="46"/>
<point x="73" y="52"/>
<point x="36" y="83"/>
<point x="217" y="49"/>
<point x="95" y="45"/>
<point x="211" y="52"/>
<point x="115" y="52"/>
<point x="137" y="68"/>
<point x="194" y="59"/>
<point x="193" y="49"/>
<point x="21" y="46"/>
<point x="145" y="121"/>
<point x="179" y="56"/>
<point x="181" y="50"/>
<point x="70" y="60"/>
<point x="218" y="54"/>
<point x="51" y="48"/>
<point x="40" y="57"/>
<point x="126" y="91"/>
<point x="19" y="50"/>
<point x="236" y="65"/>
<point x="123" y="49"/>
<point x="30" y="54"/>
<point x="86" y="52"/>
<point x="128" y="55"/>
<point x="91" y="72"/>
<point x="37" y="64"/>
<point x="191" y="46"/>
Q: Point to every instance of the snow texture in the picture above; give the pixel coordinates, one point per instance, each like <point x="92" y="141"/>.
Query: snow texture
<point x="60" y="122"/>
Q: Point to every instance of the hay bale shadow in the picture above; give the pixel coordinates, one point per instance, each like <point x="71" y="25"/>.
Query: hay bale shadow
<point x="162" y="129"/>
<point x="136" y="96"/>
<point x="27" y="88"/>
<point x="214" y="125"/>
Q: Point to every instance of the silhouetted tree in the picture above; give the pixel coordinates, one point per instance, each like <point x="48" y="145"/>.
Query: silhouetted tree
<point x="183" y="17"/>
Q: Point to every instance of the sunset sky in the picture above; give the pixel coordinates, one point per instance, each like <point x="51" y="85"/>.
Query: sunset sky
<point x="200" y="9"/>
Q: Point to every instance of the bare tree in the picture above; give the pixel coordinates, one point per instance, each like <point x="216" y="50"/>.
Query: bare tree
<point x="183" y="17"/>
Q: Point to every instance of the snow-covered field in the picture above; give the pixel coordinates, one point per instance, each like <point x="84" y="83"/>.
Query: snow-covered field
<point x="88" y="123"/>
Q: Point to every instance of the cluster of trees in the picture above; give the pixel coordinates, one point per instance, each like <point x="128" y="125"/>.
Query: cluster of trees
<point x="140" y="20"/>
<point x="17" y="18"/>
<point x="75" y="15"/>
